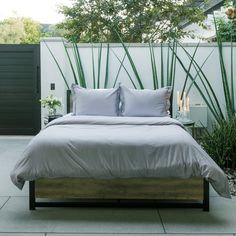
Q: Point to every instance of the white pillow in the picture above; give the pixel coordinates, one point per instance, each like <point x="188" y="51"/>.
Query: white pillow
<point x="96" y="102"/>
<point x="145" y="102"/>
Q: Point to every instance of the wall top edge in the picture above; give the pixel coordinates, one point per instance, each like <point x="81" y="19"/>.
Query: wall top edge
<point x="52" y="39"/>
<point x="59" y="39"/>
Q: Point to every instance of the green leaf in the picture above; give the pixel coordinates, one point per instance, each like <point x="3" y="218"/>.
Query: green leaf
<point x="93" y="65"/>
<point x="153" y="65"/>
<point x="99" y="65"/>
<point x="162" y="67"/>
<point x="118" y="72"/>
<point x="107" y="66"/>
<point x="207" y="86"/>
<point x="79" y="65"/>
<point x="188" y="72"/>
<point x="216" y="116"/>
<point x="58" y="66"/>
<point x="131" y="62"/>
<point x="71" y="64"/>
<point x="122" y="64"/>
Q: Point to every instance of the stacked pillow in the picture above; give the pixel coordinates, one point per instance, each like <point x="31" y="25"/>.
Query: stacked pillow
<point x="121" y="101"/>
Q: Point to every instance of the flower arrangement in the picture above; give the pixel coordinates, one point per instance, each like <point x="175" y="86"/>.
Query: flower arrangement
<point x="51" y="102"/>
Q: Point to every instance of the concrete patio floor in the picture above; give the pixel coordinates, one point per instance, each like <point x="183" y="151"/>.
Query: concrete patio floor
<point x="17" y="220"/>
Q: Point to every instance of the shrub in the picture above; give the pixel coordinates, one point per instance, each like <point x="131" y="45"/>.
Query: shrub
<point x="220" y="144"/>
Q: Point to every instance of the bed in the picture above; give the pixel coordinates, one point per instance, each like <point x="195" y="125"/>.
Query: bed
<point x="117" y="161"/>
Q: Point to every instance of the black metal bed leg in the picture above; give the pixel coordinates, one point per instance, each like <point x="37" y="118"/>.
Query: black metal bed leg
<point x="206" y="200"/>
<point x="32" y="195"/>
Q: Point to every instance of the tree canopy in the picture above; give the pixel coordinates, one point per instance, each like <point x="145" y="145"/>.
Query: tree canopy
<point x="133" y="20"/>
<point x="226" y="24"/>
<point x="19" y="30"/>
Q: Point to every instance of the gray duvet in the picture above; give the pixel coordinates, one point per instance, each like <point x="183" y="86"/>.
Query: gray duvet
<point x="116" y="147"/>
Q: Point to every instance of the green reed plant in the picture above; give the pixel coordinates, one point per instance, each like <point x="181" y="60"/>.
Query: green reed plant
<point x="58" y="66"/>
<point x="205" y="88"/>
<point x="131" y="61"/>
<point x="77" y="68"/>
<point x="97" y="76"/>
<point x="220" y="144"/>
<point x="167" y="65"/>
<point x="199" y="79"/>
<point x="163" y="74"/>
<point x="227" y="78"/>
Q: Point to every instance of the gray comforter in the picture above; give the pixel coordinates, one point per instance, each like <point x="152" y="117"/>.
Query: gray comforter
<point x="116" y="147"/>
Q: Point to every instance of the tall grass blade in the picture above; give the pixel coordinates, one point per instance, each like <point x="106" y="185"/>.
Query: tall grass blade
<point x="232" y="76"/>
<point x="203" y="78"/>
<point x="173" y="65"/>
<point x="118" y="72"/>
<point x="214" y="113"/>
<point x="93" y="66"/>
<point x="198" y="72"/>
<point x="131" y="62"/>
<point x="122" y="64"/>
<point x="99" y="65"/>
<point x="153" y="64"/>
<point x="162" y="66"/>
<point x="79" y="66"/>
<point x="189" y="69"/>
<point x="71" y="64"/>
<point x="228" y="98"/>
<point x="107" y="66"/>
<point x="58" y="66"/>
<point x="168" y="66"/>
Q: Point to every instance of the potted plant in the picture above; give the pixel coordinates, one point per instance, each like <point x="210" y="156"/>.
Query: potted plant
<point x="51" y="103"/>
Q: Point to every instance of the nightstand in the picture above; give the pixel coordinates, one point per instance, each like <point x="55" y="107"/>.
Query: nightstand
<point x="48" y="119"/>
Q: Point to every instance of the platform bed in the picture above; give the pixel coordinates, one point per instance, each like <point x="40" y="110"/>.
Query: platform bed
<point x="135" y="192"/>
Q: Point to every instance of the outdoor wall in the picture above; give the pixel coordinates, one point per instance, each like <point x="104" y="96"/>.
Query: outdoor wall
<point x="141" y="56"/>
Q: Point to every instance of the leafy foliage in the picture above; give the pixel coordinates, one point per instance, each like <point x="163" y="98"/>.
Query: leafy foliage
<point x="226" y="29"/>
<point x="19" y="30"/>
<point x="220" y="144"/>
<point x="50" y="102"/>
<point x="135" y="21"/>
<point x="52" y="31"/>
<point x="226" y="25"/>
<point x="32" y="31"/>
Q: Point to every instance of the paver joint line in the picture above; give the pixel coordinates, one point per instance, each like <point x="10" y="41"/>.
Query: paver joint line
<point x="5" y="203"/>
<point x="162" y="223"/>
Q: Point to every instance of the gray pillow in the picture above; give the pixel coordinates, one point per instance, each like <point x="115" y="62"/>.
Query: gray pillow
<point x="96" y="102"/>
<point x="145" y="102"/>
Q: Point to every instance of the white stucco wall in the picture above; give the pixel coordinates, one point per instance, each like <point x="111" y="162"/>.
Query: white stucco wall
<point x="140" y="54"/>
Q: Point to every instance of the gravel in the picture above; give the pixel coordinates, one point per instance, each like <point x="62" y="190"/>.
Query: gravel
<point x="231" y="174"/>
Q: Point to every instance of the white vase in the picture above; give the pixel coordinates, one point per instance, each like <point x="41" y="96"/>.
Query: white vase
<point x="52" y="111"/>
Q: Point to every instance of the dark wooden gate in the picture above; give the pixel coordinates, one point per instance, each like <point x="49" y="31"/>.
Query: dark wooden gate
<point x="19" y="89"/>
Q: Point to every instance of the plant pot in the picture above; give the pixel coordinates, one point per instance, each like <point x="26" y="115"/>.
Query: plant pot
<point x="52" y="111"/>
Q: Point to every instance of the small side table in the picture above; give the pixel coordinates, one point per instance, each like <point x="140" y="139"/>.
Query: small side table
<point x="48" y="119"/>
<point x="189" y="125"/>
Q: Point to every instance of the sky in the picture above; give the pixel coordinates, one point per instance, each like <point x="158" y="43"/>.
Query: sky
<point x="43" y="11"/>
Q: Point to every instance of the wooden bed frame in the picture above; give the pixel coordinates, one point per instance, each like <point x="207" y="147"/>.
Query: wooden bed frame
<point x="132" y="192"/>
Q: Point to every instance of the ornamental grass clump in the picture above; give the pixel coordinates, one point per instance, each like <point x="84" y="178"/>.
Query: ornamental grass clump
<point x="220" y="144"/>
